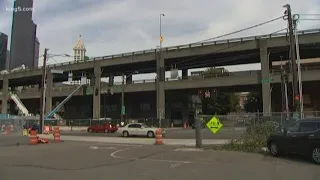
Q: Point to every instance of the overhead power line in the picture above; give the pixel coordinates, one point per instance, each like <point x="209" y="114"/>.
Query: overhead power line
<point x="310" y="14"/>
<point x="241" y="30"/>
<point x="313" y="19"/>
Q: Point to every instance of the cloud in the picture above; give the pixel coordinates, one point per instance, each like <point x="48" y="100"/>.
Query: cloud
<point x="117" y="26"/>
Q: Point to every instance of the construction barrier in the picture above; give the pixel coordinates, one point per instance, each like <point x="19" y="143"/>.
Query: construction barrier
<point x="46" y="129"/>
<point x="33" y="138"/>
<point x="159" y="140"/>
<point x="56" y="134"/>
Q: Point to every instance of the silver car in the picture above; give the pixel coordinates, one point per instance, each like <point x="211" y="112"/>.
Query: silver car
<point x="137" y="129"/>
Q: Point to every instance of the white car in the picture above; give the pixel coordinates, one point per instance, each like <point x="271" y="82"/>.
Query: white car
<point x="137" y="129"/>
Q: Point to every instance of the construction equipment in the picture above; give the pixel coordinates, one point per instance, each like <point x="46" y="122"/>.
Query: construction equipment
<point x="22" y="108"/>
<point x="53" y="112"/>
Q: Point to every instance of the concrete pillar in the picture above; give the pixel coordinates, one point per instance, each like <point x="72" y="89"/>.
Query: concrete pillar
<point x="161" y="102"/>
<point x="49" y="89"/>
<point x="129" y="80"/>
<point x="111" y="79"/>
<point x="5" y="92"/>
<point x="265" y="73"/>
<point x="184" y="73"/>
<point x="96" y="92"/>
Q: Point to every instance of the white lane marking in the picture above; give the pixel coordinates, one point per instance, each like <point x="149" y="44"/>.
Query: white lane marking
<point x="97" y="147"/>
<point x="93" y="147"/>
<point x="113" y="144"/>
<point x="175" y="165"/>
<point x="113" y="154"/>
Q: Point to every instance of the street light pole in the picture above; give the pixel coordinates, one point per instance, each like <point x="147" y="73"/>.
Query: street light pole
<point x="123" y="106"/>
<point x="122" y="100"/>
<point x="159" y="111"/>
<point x="43" y="91"/>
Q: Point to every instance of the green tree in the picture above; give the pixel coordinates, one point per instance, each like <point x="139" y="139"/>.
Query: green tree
<point x="219" y="102"/>
<point x="253" y="102"/>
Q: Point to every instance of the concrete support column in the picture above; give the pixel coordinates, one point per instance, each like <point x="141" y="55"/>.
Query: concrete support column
<point x="5" y="93"/>
<point x="265" y="73"/>
<point x="96" y="91"/>
<point x="111" y="79"/>
<point x="184" y="73"/>
<point x="49" y="89"/>
<point x="161" y="102"/>
<point x="129" y="80"/>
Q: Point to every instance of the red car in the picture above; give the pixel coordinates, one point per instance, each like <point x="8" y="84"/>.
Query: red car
<point x="107" y="128"/>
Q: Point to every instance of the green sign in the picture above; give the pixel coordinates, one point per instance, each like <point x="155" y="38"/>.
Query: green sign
<point x="214" y="125"/>
<point x="123" y="110"/>
<point x="88" y="91"/>
<point x="267" y="80"/>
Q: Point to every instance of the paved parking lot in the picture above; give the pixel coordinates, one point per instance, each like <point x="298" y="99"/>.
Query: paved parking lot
<point x="87" y="160"/>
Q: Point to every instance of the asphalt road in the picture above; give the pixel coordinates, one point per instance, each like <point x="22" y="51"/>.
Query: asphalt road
<point x="99" y="161"/>
<point x="224" y="133"/>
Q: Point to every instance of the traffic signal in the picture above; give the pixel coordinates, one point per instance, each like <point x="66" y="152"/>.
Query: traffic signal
<point x="297" y="98"/>
<point x="200" y="93"/>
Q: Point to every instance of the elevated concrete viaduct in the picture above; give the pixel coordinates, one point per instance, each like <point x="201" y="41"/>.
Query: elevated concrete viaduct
<point x="262" y="50"/>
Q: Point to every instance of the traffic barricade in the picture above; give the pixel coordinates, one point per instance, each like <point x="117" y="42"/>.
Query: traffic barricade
<point x="159" y="140"/>
<point x="33" y="137"/>
<point x="56" y="134"/>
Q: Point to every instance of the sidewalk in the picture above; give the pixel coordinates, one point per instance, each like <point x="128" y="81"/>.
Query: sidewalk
<point x="142" y="141"/>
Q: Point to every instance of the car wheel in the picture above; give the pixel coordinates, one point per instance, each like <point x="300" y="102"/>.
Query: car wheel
<point x="150" y="134"/>
<point x="90" y="130"/>
<point x="125" y="134"/>
<point x="106" y="131"/>
<point x="315" y="155"/>
<point x="274" y="149"/>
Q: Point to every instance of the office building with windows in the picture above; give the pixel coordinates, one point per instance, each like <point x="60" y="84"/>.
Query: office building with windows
<point x="24" y="47"/>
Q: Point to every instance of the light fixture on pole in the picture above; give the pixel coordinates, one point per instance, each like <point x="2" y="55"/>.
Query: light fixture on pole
<point x="123" y="106"/>
<point x="159" y="69"/>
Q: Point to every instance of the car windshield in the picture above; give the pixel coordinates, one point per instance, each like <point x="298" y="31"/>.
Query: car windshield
<point x="145" y="126"/>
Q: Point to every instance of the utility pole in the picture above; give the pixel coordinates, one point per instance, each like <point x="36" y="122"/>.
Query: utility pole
<point x="295" y="24"/>
<point x="123" y="109"/>
<point x="43" y="90"/>
<point x="293" y="56"/>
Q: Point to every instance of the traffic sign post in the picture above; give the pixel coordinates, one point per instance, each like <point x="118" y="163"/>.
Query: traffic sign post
<point x="214" y="125"/>
<point x="123" y="110"/>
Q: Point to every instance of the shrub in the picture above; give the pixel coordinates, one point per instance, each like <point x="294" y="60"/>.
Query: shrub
<point x="254" y="140"/>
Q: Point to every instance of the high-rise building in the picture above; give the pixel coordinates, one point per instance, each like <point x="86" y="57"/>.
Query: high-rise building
<point x="24" y="48"/>
<point x="3" y="50"/>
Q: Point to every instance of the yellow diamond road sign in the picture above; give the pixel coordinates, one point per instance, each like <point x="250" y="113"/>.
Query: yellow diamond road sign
<point x="214" y="125"/>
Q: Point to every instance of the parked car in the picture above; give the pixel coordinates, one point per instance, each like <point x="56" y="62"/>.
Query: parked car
<point x="106" y="128"/>
<point x="138" y="129"/>
<point x="303" y="137"/>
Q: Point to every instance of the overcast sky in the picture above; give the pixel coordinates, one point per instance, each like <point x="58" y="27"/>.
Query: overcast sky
<point x="117" y="26"/>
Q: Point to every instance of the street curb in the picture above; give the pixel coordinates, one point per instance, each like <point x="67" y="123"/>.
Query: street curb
<point x="139" y="141"/>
